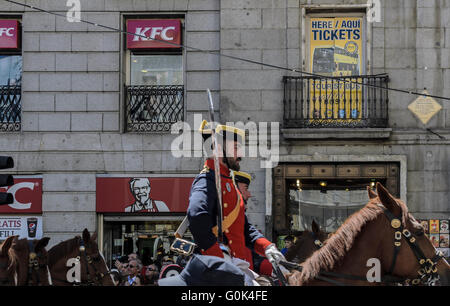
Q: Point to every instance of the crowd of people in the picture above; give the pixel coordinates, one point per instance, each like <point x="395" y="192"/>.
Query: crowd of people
<point x="130" y="271"/>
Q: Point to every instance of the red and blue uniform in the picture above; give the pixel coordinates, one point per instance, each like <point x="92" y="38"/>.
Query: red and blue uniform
<point x="239" y="234"/>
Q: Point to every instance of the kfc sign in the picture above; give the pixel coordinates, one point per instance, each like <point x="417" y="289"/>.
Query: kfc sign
<point x="27" y="193"/>
<point x="9" y="38"/>
<point x="143" y="194"/>
<point x="151" y="33"/>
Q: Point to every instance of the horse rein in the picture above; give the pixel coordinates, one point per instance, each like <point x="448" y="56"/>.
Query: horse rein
<point x="427" y="274"/>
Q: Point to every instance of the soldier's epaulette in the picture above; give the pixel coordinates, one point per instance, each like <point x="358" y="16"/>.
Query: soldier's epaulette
<point x="205" y="169"/>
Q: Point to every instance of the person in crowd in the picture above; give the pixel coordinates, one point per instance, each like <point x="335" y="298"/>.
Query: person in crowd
<point x="150" y="274"/>
<point x="288" y="243"/>
<point x="134" y="273"/>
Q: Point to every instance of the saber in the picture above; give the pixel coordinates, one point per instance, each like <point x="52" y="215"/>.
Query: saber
<point x="216" y="169"/>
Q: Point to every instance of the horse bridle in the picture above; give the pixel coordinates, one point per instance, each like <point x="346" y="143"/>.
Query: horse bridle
<point x="427" y="274"/>
<point x="34" y="265"/>
<point x="317" y="242"/>
<point x="89" y="260"/>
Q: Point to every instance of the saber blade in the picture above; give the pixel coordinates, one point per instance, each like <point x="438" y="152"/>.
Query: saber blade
<point x="216" y="169"/>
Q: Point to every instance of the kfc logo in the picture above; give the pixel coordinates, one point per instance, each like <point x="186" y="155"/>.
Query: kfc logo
<point x="9" y="34"/>
<point x="160" y="31"/>
<point x="27" y="193"/>
<point x="153" y="33"/>
<point x="7" y="31"/>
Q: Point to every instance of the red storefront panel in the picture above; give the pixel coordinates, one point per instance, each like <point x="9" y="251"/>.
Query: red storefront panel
<point x="152" y="194"/>
<point x="27" y="194"/>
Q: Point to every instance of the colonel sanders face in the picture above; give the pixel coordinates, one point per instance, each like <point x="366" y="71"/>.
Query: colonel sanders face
<point x="141" y="190"/>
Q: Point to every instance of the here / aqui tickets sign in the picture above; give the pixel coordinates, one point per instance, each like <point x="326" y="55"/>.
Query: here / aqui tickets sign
<point x="336" y="50"/>
<point x="142" y="194"/>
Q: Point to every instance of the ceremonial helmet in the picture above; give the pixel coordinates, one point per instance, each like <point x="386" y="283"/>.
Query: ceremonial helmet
<point x="242" y="177"/>
<point x="225" y="131"/>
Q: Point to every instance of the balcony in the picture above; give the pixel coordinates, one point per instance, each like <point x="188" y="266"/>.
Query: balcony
<point x="10" y="108"/>
<point x="153" y="108"/>
<point x="336" y="107"/>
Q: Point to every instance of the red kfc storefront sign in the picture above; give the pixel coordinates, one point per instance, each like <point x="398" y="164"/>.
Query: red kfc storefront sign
<point x="142" y="194"/>
<point x="153" y="33"/>
<point x="27" y="193"/>
<point x="9" y="34"/>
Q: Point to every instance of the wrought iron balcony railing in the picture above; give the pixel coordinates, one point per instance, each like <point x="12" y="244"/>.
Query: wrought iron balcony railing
<point x="10" y="108"/>
<point x="311" y="102"/>
<point x="153" y="108"/>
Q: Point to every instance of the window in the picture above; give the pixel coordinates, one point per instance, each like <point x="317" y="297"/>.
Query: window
<point x="148" y="239"/>
<point x="10" y="75"/>
<point x="156" y="70"/>
<point x="155" y="85"/>
<point x="328" y="202"/>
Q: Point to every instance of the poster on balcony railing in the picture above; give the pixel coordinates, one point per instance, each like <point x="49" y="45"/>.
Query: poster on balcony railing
<point x="336" y="51"/>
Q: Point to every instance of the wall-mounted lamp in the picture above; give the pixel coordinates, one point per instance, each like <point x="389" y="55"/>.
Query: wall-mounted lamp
<point x="299" y="185"/>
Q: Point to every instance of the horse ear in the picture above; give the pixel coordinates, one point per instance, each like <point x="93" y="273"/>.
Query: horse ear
<point x="42" y="244"/>
<point x="372" y="195"/>
<point x="315" y="227"/>
<point x="86" y="235"/>
<point x="388" y="200"/>
<point x="94" y="236"/>
<point x="6" y="245"/>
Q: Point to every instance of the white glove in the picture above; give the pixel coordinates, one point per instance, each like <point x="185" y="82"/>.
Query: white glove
<point x="273" y="254"/>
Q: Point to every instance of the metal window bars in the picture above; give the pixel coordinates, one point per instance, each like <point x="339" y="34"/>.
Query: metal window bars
<point x="313" y="102"/>
<point x="151" y="108"/>
<point x="10" y="108"/>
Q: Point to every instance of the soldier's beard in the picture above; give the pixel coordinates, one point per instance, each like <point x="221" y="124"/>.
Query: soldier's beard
<point x="233" y="163"/>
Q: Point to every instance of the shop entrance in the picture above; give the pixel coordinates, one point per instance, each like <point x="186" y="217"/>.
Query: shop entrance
<point x="327" y="193"/>
<point x="150" y="240"/>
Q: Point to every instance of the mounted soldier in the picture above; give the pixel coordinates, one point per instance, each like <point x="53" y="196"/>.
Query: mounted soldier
<point x="238" y="233"/>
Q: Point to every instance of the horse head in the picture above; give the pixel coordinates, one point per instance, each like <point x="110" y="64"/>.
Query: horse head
<point x="382" y="233"/>
<point x="306" y="244"/>
<point x="413" y="256"/>
<point x="79" y="261"/>
<point x="32" y="260"/>
<point x="8" y="263"/>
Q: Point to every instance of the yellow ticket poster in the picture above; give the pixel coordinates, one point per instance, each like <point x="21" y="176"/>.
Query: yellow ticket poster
<point x="434" y="226"/>
<point x="336" y="50"/>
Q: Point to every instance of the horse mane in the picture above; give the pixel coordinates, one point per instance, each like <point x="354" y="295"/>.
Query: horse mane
<point x="12" y="257"/>
<point x="62" y="249"/>
<point x="337" y="246"/>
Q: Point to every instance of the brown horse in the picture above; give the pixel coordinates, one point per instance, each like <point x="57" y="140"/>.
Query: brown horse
<point x="82" y="252"/>
<point x="8" y="263"/>
<point x="32" y="260"/>
<point x="383" y="230"/>
<point x="306" y="244"/>
<point x="310" y="241"/>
